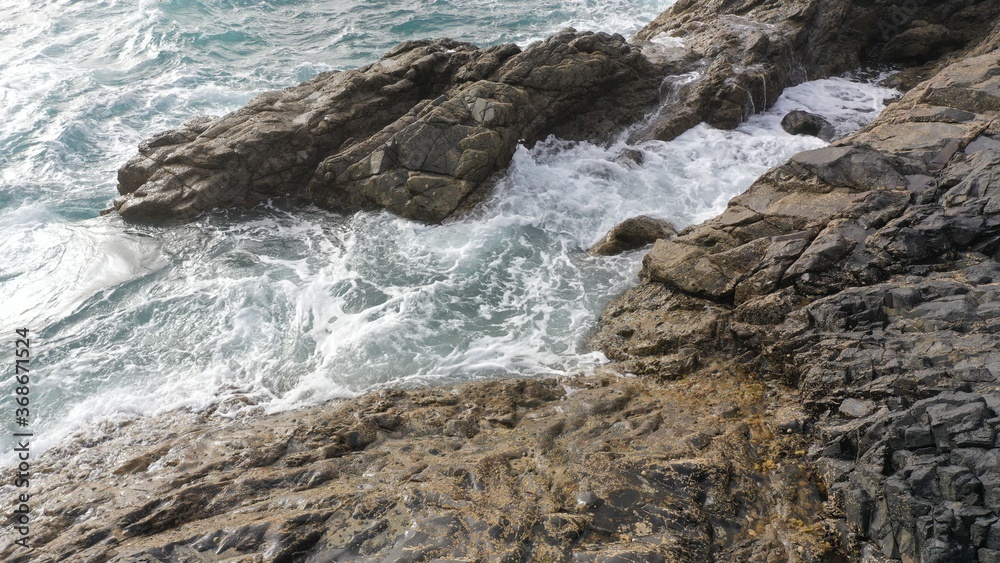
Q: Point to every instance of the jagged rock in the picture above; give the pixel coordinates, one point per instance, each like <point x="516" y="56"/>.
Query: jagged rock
<point x="800" y="122"/>
<point x="421" y="131"/>
<point x="866" y="275"/>
<point x="633" y="233"/>
<point x="739" y="56"/>
<point x="417" y="132"/>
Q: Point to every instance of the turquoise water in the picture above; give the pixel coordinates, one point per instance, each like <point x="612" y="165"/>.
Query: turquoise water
<point x="295" y="306"/>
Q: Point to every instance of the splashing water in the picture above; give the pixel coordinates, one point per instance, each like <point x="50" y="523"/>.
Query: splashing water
<point x="294" y="307"/>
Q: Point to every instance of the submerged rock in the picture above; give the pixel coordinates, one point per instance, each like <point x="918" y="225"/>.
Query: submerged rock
<point x="800" y="122"/>
<point x="633" y="233"/>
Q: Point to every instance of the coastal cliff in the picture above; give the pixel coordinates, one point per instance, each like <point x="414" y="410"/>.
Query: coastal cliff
<point x="816" y="369"/>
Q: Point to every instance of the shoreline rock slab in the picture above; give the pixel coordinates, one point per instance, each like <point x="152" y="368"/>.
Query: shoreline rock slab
<point x="590" y="469"/>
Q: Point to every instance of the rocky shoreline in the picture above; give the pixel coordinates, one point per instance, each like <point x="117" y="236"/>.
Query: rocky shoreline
<point x="815" y="371"/>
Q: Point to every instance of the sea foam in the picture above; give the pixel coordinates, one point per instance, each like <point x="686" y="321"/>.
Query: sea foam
<point x="290" y="307"/>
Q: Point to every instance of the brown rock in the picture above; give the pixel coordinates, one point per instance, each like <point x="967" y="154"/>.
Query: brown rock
<point x="633" y="233"/>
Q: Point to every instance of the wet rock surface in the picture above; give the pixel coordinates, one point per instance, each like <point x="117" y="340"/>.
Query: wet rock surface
<point x="734" y="58"/>
<point x="804" y="123"/>
<point x="866" y="275"/>
<point x="818" y="367"/>
<point x="632" y="234"/>
<point x="594" y="469"/>
<point x="415" y="133"/>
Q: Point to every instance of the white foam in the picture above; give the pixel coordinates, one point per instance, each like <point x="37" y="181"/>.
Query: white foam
<point x="668" y="41"/>
<point x="54" y="267"/>
<point x="297" y="308"/>
<point x="847" y="104"/>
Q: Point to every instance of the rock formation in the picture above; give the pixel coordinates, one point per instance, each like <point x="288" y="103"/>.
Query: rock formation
<point x="415" y="133"/>
<point x="422" y="130"/>
<point x="735" y="57"/>
<point x="820" y="363"/>
<point x="867" y="276"/>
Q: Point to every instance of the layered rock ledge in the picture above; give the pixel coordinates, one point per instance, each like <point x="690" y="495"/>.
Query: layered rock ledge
<point x="593" y="469"/>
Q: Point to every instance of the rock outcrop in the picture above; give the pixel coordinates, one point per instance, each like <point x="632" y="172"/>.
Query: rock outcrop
<point x="632" y="234"/>
<point x="867" y="276"/>
<point x="733" y="58"/>
<point x="415" y="133"/>
<point x="421" y="131"/>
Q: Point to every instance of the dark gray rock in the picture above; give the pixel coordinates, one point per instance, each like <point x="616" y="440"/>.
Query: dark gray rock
<point x="850" y="167"/>
<point x="800" y="122"/>
<point x="864" y="272"/>
<point x="921" y="44"/>
<point x="743" y="54"/>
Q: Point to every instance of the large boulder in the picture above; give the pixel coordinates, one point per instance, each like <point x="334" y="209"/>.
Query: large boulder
<point x="415" y="133"/>
<point x="800" y="122"/>
<point x="633" y="233"/>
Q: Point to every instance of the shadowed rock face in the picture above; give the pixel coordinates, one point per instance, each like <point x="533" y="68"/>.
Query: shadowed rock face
<point x="415" y="133"/>
<point x="737" y="56"/>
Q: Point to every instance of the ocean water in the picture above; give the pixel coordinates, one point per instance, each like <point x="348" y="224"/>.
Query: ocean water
<point x="291" y="307"/>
